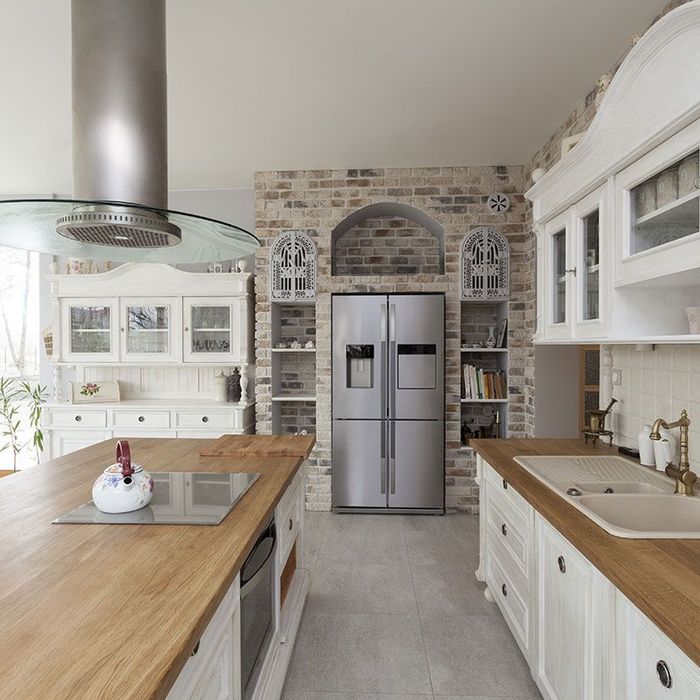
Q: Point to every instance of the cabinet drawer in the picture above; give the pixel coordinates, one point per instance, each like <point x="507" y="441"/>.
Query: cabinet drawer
<point x="511" y="599"/>
<point x="78" y="418"/>
<point x="208" y="420"/>
<point x="509" y="529"/>
<point x="141" y="419"/>
<point x="509" y="493"/>
<point x="288" y="517"/>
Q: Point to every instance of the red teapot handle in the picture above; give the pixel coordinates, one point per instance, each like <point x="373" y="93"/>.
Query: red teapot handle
<point x="124" y="457"/>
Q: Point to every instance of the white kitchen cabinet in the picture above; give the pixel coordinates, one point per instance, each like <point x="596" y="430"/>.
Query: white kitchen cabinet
<point x="89" y="330"/>
<point x="150" y="329"/>
<point x="62" y="442"/>
<point x="556" y="281"/>
<point x="574" y="621"/>
<point x="212" y="329"/>
<point x="650" y="665"/>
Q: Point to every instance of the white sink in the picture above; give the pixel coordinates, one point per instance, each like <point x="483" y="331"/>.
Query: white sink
<point x="624" y="498"/>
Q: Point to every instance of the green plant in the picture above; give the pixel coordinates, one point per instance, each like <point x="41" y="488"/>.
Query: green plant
<point x="14" y="396"/>
<point x="10" y="394"/>
<point x="35" y="395"/>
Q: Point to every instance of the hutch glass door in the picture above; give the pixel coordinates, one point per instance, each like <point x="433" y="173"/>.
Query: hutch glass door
<point x="209" y="330"/>
<point x="591" y="266"/>
<point x="89" y="330"/>
<point x="147" y="330"/>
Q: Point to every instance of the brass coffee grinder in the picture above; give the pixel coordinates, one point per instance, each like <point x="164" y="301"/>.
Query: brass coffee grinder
<point x="596" y="424"/>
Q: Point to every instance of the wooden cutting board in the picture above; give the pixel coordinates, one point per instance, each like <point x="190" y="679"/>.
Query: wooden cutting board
<point x="268" y="445"/>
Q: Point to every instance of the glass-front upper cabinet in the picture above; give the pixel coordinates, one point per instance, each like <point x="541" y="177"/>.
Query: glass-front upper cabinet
<point x="89" y="330"/>
<point x="590" y="264"/>
<point x="658" y="203"/>
<point x="211" y="329"/>
<point x="557" y="278"/>
<point x="150" y="330"/>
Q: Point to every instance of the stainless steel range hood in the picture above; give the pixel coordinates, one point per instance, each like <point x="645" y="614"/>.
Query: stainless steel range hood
<point x="120" y="183"/>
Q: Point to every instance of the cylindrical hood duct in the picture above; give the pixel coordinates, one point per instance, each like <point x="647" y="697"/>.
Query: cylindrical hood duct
<point x="120" y="149"/>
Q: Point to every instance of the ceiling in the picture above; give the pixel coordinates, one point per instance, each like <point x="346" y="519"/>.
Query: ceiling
<point x="276" y="84"/>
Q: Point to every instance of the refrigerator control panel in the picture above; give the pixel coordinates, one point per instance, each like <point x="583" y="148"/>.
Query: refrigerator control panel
<point x="360" y="366"/>
<point x="417" y="366"/>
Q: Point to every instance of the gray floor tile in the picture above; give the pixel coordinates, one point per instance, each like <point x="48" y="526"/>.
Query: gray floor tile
<point x="356" y="653"/>
<point x="475" y="655"/>
<point x="446" y="547"/>
<point x="350" y="696"/>
<point x="315" y="528"/>
<point x="363" y="539"/>
<point x="354" y="588"/>
<point x="449" y="590"/>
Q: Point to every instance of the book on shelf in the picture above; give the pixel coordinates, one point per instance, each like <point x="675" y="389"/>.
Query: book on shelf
<point x="481" y="383"/>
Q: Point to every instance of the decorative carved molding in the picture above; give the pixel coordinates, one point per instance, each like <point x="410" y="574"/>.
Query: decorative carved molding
<point x="293" y="267"/>
<point x="653" y="95"/>
<point x="485" y="265"/>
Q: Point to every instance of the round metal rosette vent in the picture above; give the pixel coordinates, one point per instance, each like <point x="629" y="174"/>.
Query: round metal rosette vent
<point x="121" y="227"/>
<point x="498" y="202"/>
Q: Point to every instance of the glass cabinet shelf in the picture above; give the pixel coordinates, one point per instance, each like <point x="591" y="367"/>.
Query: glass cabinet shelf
<point x="666" y="207"/>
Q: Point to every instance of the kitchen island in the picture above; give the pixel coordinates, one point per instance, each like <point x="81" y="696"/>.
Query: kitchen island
<point x="115" y="611"/>
<point x="596" y="616"/>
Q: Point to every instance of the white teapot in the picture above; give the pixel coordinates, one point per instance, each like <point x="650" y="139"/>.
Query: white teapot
<point x="122" y="487"/>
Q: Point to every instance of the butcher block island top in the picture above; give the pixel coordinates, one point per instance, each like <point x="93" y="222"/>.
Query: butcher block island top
<point x="660" y="577"/>
<point x="114" y="611"/>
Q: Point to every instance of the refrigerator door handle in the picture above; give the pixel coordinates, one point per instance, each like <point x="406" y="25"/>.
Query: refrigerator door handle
<point x="392" y="459"/>
<point x="382" y="379"/>
<point x="392" y="360"/>
<point x="382" y="461"/>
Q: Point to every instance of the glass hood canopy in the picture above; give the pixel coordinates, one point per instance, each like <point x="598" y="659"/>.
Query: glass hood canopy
<point x="31" y="224"/>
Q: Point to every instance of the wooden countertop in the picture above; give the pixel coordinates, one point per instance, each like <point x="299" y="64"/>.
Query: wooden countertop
<point x="271" y="445"/>
<point x="113" y="611"/>
<point x="661" y="577"/>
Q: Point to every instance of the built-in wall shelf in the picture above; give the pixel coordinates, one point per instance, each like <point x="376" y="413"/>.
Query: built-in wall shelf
<point x="293" y="349"/>
<point x="292" y="397"/>
<point x="484" y="349"/>
<point x="484" y="400"/>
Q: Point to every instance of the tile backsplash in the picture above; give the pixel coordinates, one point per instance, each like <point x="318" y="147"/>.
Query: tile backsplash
<point x="656" y="383"/>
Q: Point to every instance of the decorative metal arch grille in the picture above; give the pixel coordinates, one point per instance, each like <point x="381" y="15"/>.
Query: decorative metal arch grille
<point x="485" y="265"/>
<point x="293" y="267"/>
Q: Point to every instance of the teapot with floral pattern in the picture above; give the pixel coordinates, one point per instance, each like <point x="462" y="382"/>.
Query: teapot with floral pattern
<point x="122" y="487"/>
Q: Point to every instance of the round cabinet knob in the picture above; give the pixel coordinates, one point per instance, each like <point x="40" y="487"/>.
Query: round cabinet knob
<point x="504" y="529"/>
<point x="504" y="589"/>
<point x="142" y="419"/>
<point x="291" y="524"/>
<point x="505" y="484"/>
<point x="78" y="419"/>
<point x="664" y="674"/>
<point x="205" y="419"/>
<point x="562" y="564"/>
<point x="187" y="330"/>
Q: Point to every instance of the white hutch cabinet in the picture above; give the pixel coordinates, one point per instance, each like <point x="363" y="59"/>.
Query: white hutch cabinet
<point x="617" y="219"/>
<point x="164" y="334"/>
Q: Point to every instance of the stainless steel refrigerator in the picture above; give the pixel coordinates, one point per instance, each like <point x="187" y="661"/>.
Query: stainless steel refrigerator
<point x="388" y="402"/>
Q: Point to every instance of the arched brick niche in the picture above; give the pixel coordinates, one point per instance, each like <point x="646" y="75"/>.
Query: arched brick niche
<point x="388" y="238"/>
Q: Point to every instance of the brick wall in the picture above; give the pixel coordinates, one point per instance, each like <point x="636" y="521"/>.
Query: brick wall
<point x="316" y="202"/>
<point x="386" y="246"/>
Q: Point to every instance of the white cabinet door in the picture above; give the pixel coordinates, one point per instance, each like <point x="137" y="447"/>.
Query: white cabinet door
<point x="211" y="329"/>
<point x="64" y="442"/>
<point x="558" y="262"/>
<point x="574" y="635"/>
<point x="89" y="330"/>
<point x="590" y="234"/>
<point x="651" y="666"/>
<point x="150" y="329"/>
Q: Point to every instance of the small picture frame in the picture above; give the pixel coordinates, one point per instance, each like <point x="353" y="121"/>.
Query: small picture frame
<point x="95" y="392"/>
<point x="502" y="337"/>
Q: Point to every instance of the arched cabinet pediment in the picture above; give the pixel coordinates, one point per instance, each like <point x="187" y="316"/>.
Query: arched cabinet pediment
<point x="485" y="265"/>
<point x="293" y="267"/>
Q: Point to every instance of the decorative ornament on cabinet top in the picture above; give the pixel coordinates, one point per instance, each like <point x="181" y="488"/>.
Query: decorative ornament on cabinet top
<point x="485" y="265"/>
<point x="293" y="267"/>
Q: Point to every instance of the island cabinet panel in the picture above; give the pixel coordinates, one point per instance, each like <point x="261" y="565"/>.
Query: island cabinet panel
<point x="651" y="666"/>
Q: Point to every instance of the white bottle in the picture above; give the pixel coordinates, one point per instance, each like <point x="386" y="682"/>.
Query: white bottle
<point x="665" y="449"/>
<point x="646" y="447"/>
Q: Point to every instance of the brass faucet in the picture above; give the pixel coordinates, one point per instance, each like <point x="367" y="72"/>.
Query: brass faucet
<point x="684" y="477"/>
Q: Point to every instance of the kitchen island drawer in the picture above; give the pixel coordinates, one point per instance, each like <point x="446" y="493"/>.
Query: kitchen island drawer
<point x="77" y="418"/>
<point x="510" y="529"/>
<point x="209" y="420"/>
<point x="288" y="516"/>
<point x="141" y="419"/>
<point x="502" y="486"/>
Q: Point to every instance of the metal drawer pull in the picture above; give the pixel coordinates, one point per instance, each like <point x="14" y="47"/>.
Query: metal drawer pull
<point x="78" y="418"/>
<point x="664" y="674"/>
<point x="504" y="529"/>
<point x="562" y="564"/>
<point x="291" y="524"/>
<point x="504" y="589"/>
<point x="505" y="484"/>
<point x="205" y="419"/>
<point x="196" y="649"/>
<point x="142" y="419"/>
